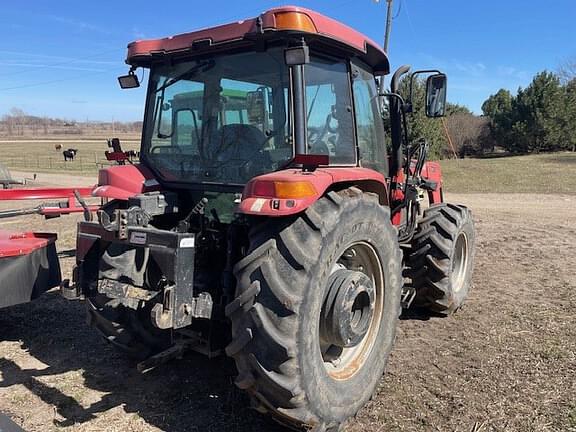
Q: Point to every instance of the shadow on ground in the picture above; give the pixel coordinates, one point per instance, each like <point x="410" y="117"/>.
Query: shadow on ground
<point x="185" y="395"/>
<point x="191" y="394"/>
<point x="419" y="314"/>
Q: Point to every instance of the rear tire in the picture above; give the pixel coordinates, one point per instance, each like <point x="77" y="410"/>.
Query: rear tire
<point x="441" y="258"/>
<point x="282" y="287"/>
<point x="124" y="325"/>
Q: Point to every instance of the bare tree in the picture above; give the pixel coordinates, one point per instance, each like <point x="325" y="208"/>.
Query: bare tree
<point x="470" y="134"/>
<point x="17" y="119"/>
<point x="567" y="70"/>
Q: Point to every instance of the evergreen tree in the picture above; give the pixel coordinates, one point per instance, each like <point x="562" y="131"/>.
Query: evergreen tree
<point x="498" y="108"/>
<point x="569" y="116"/>
<point x="541" y="110"/>
<point x="542" y="117"/>
<point x="420" y="126"/>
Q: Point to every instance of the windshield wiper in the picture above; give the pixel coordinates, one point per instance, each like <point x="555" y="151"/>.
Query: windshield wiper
<point x="204" y="66"/>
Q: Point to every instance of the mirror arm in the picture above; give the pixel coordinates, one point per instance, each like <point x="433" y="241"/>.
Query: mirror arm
<point x="414" y="74"/>
<point x="394" y="95"/>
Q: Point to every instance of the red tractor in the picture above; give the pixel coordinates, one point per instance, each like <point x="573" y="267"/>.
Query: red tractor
<point x="270" y="218"/>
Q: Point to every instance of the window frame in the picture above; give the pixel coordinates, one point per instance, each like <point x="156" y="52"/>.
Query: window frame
<point x="355" y="62"/>
<point x="347" y="64"/>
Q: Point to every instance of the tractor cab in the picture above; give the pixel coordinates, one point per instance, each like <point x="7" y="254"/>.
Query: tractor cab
<point x="228" y="104"/>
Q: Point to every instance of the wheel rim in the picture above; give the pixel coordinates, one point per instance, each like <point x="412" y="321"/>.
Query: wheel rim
<point x="459" y="262"/>
<point x="340" y="362"/>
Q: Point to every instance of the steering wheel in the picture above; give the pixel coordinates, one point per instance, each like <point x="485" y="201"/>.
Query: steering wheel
<point x="313" y="136"/>
<point x="319" y="148"/>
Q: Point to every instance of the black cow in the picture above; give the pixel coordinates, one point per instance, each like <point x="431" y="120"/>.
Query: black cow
<point x="69" y="154"/>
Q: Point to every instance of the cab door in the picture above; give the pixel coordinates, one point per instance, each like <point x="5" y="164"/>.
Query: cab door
<point x="369" y="122"/>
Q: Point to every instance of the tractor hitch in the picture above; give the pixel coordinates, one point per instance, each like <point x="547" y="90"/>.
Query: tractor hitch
<point x="172" y="253"/>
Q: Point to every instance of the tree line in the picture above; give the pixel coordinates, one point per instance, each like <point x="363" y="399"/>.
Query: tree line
<point x="539" y="118"/>
<point x="17" y="123"/>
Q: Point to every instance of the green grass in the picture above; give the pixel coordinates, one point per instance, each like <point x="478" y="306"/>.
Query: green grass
<point x="543" y="173"/>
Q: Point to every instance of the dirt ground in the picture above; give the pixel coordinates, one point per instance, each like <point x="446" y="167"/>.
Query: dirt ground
<point x="505" y="362"/>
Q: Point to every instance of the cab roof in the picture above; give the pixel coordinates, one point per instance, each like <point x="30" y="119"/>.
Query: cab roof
<point x="270" y="25"/>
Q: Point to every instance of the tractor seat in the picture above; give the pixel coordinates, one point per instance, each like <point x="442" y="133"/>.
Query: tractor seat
<point x="238" y="141"/>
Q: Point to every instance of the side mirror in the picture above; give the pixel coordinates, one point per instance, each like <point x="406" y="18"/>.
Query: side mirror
<point x="436" y="95"/>
<point x="129" y="81"/>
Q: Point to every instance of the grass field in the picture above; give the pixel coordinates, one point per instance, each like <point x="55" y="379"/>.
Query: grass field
<point x="40" y="155"/>
<point x="544" y="173"/>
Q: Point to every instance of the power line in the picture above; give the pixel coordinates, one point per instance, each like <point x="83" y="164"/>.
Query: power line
<point x="410" y="22"/>
<point x="52" y="81"/>
<point x="398" y="11"/>
<point x="66" y="62"/>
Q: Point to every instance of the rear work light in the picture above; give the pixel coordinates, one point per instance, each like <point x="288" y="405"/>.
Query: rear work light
<point x="284" y="189"/>
<point x="294" y="21"/>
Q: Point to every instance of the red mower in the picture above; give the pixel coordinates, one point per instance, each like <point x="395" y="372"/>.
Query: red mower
<point x="29" y="263"/>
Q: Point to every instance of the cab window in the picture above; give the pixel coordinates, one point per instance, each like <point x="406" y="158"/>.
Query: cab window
<point x="329" y="111"/>
<point x="369" y="123"/>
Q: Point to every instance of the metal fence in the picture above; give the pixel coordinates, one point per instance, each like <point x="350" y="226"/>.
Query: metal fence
<point x="83" y="164"/>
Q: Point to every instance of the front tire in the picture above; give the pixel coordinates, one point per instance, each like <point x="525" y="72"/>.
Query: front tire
<point x="293" y="367"/>
<point x="441" y="258"/>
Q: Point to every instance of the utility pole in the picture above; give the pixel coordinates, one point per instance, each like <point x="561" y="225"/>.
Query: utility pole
<point x="388" y="25"/>
<point x="386" y="37"/>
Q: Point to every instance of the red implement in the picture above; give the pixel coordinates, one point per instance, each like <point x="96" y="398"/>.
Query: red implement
<point x="48" y="209"/>
<point x="29" y="263"/>
<point x="28" y="266"/>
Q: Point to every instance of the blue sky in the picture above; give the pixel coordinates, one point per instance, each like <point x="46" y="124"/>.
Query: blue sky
<point x="61" y="58"/>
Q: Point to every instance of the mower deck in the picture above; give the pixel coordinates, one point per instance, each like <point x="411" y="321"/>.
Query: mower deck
<point x="28" y="266"/>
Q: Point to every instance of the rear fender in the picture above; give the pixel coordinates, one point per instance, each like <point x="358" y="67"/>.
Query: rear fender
<point x="124" y="181"/>
<point x="263" y="197"/>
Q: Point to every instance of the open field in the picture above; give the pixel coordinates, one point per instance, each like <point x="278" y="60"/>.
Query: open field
<point x="505" y="362"/>
<point x="553" y="173"/>
<point x="40" y="154"/>
<point x="513" y="174"/>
